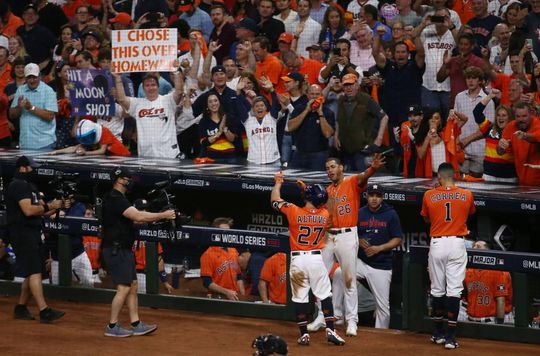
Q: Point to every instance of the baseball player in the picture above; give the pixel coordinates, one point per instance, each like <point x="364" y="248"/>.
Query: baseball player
<point x="342" y="243"/>
<point x="446" y="208"/>
<point x="379" y="230"/>
<point x="307" y="228"/>
<point x="272" y="288"/>
<point x="489" y="294"/>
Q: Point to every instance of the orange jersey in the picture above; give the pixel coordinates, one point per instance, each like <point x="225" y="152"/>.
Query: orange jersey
<point x="307" y="227"/>
<point x="525" y="152"/>
<point x="483" y="287"/>
<point x="448" y="208"/>
<point x="311" y="68"/>
<point x="92" y="246"/>
<point x="221" y="265"/>
<point x="464" y="10"/>
<point x="274" y="272"/>
<point x="346" y="197"/>
<point x="115" y="147"/>
<point x="139" y="249"/>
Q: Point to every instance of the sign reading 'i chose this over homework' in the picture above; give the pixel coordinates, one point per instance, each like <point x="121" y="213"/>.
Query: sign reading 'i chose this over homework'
<point x="90" y="92"/>
<point x="150" y="50"/>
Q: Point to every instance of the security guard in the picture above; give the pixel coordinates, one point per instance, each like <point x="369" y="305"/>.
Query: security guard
<point x="25" y="208"/>
<point x="118" y="218"/>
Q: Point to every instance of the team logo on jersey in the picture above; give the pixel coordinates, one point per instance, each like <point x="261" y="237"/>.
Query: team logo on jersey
<point x="501" y="287"/>
<point x="152" y="112"/>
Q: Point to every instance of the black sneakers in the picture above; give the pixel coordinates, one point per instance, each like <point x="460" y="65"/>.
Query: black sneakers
<point x="48" y="315"/>
<point x="21" y="312"/>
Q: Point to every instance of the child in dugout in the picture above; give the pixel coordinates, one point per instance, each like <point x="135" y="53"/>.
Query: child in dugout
<point x="95" y="139"/>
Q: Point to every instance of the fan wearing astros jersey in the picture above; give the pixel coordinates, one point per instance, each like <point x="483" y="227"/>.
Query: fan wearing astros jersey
<point x="446" y="208"/>
<point x="307" y="227"/>
<point x="342" y="244"/>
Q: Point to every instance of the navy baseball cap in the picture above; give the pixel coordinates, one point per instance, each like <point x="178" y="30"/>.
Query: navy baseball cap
<point x="25" y="161"/>
<point x="415" y="110"/>
<point x="121" y="172"/>
<point x="248" y="24"/>
<point x="293" y="76"/>
<point x="218" y="69"/>
<point x="375" y="189"/>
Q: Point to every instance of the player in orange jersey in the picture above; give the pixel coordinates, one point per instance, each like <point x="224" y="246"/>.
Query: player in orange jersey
<point x="489" y="294"/>
<point x="342" y="244"/>
<point x="272" y="281"/>
<point x="307" y="227"/>
<point x="446" y="208"/>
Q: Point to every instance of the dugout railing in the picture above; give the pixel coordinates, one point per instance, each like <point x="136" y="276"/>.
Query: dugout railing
<point x="152" y="234"/>
<point x="522" y="267"/>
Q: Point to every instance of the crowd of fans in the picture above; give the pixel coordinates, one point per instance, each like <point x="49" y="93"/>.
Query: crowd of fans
<point x="288" y="82"/>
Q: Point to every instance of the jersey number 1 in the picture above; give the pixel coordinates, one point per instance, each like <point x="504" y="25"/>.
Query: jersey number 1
<point x="305" y="232"/>
<point x="448" y="208"/>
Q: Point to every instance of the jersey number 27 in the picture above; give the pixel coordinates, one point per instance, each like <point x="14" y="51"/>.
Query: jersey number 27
<point x="306" y="232"/>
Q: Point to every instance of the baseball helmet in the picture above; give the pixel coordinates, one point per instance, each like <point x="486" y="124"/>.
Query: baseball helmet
<point x="88" y="132"/>
<point x="316" y="194"/>
<point x="269" y="344"/>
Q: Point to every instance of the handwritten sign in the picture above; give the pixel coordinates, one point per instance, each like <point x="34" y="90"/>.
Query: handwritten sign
<point x="149" y="50"/>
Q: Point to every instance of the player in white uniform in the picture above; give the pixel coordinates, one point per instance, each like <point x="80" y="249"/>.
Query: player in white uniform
<point x="156" y="127"/>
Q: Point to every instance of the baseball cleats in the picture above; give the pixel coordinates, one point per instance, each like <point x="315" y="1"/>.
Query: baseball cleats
<point x="352" y="329"/>
<point x="117" y="331"/>
<point x="451" y="344"/>
<point x="317" y="324"/>
<point x="438" y="338"/>
<point x="144" y="329"/>
<point x="48" y="315"/>
<point x="21" y="312"/>
<point x="303" y="340"/>
<point x="334" y="338"/>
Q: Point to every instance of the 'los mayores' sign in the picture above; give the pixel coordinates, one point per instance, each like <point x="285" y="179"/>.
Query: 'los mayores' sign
<point x="150" y="50"/>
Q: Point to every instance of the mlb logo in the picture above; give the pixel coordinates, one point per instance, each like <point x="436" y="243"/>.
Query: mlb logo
<point x="501" y="287"/>
<point x="500" y="261"/>
<point x="216" y="237"/>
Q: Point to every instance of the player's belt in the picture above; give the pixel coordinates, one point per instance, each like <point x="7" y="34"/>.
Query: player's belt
<point x="339" y="231"/>
<point x="300" y="253"/>
<point x="438" y="237"/>
<point x="480" y="320"/>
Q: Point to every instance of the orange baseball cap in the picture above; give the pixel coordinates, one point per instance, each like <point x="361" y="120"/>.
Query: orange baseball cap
<point x="286" y="37"/>
<point x="349" y="79"/>
<point x="122" y="18"/>
<point x="185" y="5"/>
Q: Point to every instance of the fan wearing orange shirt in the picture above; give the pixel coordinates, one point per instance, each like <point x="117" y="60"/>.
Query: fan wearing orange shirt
<point x="267" y="65"/>
<point x="446" y="208"/>
<point x="272" y="287"/>
<point x="522" y="138"/>
<point x="92" y="135"/>
<point x="92" y="246"/>
<point x="220" y="270"/>
<point x="307" y="227"/>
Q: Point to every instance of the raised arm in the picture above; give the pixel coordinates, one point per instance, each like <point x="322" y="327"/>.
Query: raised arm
<point x="121" y="97"/>
<point x="378" y="162"/>
<point x="380" y="58"/>
<point x="178" y="80"/>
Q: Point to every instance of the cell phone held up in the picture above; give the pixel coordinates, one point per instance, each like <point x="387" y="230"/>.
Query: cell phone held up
<point x="336" y="51"/>
<point x="437" y="19"/>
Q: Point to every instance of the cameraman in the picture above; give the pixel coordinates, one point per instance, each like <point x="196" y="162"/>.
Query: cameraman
<point x="118" y="218"/>
<point x="25" y="208"/>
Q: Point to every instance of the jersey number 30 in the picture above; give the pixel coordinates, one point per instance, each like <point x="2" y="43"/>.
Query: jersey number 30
<point x="306" y="232"/>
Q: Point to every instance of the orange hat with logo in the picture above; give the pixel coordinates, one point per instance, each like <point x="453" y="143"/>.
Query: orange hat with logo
<point x="122" y="17"/>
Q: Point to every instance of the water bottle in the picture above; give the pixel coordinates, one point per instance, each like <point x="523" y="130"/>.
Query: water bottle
<point x="497" y="60"/>
<point x="329" y="38"/>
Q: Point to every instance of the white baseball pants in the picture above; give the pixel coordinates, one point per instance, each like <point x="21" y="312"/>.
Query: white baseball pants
<point x="447" y="263"/>
<point x="379" y="283"/>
